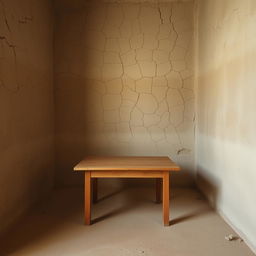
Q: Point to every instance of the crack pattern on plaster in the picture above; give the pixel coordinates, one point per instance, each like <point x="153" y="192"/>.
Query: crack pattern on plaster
<point x="5" y="34"/>
<point x="137" y="72"/>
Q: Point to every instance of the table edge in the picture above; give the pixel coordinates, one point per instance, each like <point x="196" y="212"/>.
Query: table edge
<point x="160" y="169"/>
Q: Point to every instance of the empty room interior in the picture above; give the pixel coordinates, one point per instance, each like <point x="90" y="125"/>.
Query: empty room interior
<point x="127" y="128"/>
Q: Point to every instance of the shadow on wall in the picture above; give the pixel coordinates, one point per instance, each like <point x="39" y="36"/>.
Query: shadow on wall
<point x="209" y="185"/>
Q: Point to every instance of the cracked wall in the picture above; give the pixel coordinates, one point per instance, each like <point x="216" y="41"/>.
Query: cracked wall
<point x="124" y="82"/>
<point x="26" y="105"/>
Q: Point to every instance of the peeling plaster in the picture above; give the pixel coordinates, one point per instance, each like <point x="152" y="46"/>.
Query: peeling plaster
<point x="183" y="151"/>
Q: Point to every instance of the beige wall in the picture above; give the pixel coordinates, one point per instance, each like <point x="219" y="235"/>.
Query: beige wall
<point x="124" y="85"/>
<point x="124" y="82"/>
<point x="26" y="105"/>
<point x="226" y="138"/>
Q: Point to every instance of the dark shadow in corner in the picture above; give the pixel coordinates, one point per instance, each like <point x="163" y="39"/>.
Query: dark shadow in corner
<point x="209" y="186"/>
<point x="46" y="219"/>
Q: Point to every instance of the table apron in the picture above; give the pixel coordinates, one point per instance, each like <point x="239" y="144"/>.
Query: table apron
<point x="127" y="174"/>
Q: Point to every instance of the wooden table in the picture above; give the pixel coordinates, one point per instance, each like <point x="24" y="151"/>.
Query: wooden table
<point x="127" y="167"/>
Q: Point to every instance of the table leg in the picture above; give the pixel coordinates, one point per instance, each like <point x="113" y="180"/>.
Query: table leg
<point x="166" y="202"/>
<point x="87" y="198"/>
<point x="158" y="190"/>
<point x="95" y="190"/>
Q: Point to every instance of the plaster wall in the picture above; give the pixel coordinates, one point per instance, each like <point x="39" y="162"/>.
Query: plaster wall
<point x="26" y="105"/>
<point x="124" y="82"/>
<point x="226" y="139"/>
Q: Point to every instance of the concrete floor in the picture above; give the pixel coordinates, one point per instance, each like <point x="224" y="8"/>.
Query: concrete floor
<point x="126" y="223"/>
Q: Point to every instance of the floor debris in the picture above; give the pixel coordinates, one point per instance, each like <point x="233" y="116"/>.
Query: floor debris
<point x="229" y="237"/>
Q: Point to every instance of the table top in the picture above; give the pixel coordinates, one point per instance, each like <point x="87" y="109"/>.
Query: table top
<point x="132" y="163"/>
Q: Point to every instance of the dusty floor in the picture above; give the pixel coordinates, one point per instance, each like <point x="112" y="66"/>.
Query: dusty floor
<point x="126" y="222"/>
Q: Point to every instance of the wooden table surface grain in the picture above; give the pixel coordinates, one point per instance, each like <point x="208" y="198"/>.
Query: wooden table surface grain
<point x="126" y="163"/>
